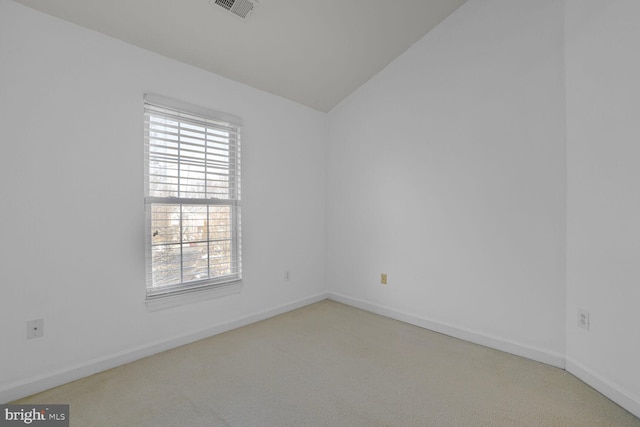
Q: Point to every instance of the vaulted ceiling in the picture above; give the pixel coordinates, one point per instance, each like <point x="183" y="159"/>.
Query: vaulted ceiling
<point x="315" y="52"/>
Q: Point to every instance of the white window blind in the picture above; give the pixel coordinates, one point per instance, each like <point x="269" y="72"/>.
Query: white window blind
<point x="192" y="198"/>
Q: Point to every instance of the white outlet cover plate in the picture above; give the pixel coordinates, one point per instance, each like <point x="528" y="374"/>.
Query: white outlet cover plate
<point x="583" y="319"/>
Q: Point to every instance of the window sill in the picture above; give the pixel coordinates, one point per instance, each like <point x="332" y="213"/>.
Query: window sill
<point x="170" y="301"/>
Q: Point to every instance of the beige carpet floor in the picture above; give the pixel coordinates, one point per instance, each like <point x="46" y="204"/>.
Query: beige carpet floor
<point x="333" y="365"/>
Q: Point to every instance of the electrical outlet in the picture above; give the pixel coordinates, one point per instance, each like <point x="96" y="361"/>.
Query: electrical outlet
<point x="583" y="319"/>
<point x="35" y="328"/>
<point x="383" y="278"/>
<point x="287" y="276"/>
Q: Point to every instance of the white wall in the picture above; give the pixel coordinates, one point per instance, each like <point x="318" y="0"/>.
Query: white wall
<point x="603" y="145"/>
<point x="447" y="171"/>
<point x="72" y="214"/>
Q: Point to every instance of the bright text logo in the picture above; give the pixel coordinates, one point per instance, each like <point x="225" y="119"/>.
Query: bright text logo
<point x="37" y="415"/>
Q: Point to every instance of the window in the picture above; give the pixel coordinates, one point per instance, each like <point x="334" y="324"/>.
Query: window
<point x="192" y="198"/>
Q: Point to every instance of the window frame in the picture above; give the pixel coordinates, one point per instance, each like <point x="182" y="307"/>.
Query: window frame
<point x="212" y="286"/>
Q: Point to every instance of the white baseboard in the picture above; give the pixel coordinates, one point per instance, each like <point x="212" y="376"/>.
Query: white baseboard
<point x="519" y="349"/>
<point x="614" y="392"/>
<point x="18" y="390"/>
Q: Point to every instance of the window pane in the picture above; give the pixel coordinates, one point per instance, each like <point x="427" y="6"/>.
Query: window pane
<point x="164" y="152"/>
<point x="166" y="264"/>
<point x="165" y="224"/>
<point x="194" y="223"/>
<point x="191" y="242"/>
<point x="163" y="179"/>
<point x="220" y="258"/>
<point x="195" y="261"/>
<point x="218" y="183"/>
<point x="220" y="232"/>
<point x="220" y="223"/>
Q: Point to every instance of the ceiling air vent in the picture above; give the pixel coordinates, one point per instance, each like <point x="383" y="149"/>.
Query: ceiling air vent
<point x="241" y="8"/>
